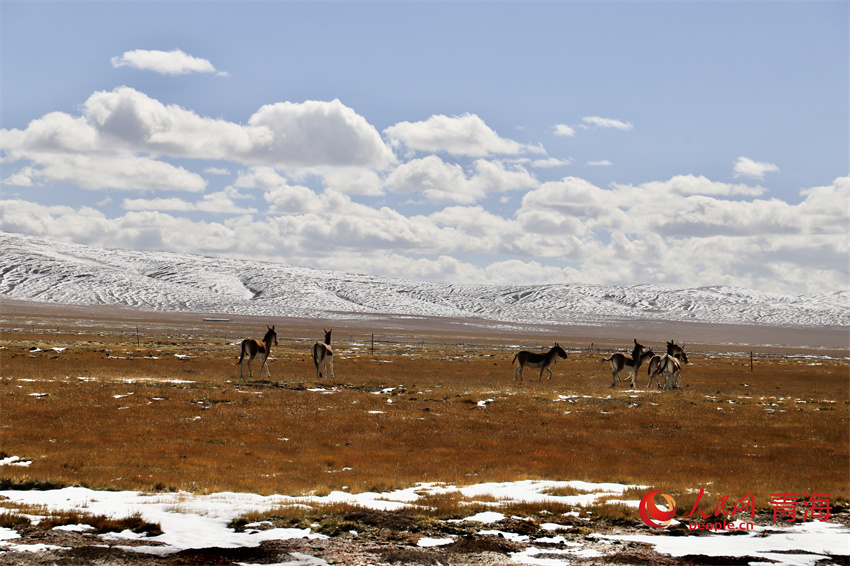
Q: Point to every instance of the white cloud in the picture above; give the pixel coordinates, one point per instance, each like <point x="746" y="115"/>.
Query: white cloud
<point x="458" y="135"/>
<point x="444" y="182"/>
<point x="317" y="134"/>
<point x="175" y="62"/>
<point x="600" y="122"/>
<point x="746" y="167"/>
<point x="564" y="130"/>
<point x="696" y="185"/>
<point x="616" y="235"/>
<point x="125" y="138"/>
<point x="219" y="202"/>
<point x="165" y="204"/>
<point x="600" y="163"/>
<point x="550" y="162"/>
<point x="99" y="172"/>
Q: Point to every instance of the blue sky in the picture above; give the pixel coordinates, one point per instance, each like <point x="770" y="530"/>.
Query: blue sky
<point x="683" y="144"/>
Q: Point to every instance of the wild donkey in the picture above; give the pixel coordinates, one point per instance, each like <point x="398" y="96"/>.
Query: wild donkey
<point x="323" y="355"/>
<point x="543" y="361"/>
<point x="253" y="347"/>
<point x="669" y="365"/>
<point x="629" y="362"/>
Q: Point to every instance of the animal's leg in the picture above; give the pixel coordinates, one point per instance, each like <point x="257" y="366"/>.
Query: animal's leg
<point x="265" y="363"/>
<point x="518" y="370"/>
<point x="614" y="375"/>
<point x="331" y="363"/>
<point x="550" y="374"/>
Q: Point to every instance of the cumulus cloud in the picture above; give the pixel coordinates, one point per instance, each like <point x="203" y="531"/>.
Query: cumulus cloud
<point x="564" y="130"/>
<point x="564" y="231"/>
<point x="443" y="182"/>
<point x="124" y="139"/>
<point x="466" y="135"/>
<point x="174" y="62"/>
<point x="315" y="184"/>
<point x="600" y="122"/>
<point x="746" y="167"/>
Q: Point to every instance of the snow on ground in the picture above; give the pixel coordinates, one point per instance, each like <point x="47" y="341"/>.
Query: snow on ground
<point x="191" y="521"/>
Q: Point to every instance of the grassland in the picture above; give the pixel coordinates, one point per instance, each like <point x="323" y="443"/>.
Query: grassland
<point x="103" y="405"/>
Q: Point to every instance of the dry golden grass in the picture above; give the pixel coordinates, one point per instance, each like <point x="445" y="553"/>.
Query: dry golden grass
<point x="119" y="411"/>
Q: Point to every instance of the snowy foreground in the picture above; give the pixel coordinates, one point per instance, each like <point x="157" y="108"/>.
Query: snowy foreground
<point x="200" y="521"/>
<point x="36" y="269"/>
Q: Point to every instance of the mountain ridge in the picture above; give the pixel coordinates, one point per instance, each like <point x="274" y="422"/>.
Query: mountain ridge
<point x="37" y="269"/>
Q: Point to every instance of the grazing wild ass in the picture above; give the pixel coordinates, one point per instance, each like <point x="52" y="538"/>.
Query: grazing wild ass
<point x="630" y="362"/>
<point x="543" y="361"/>
<point x="669" y="368"/>
<point x="323" y="355"/>
<point x="262" y="347"/>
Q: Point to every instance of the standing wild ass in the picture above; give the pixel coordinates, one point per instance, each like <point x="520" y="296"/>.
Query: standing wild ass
<point x="323" y="355"/>
<point x="630" y="362"/>
<point x="543" y="361"/>
<point x="253" y="347"/>
<point x="669" y="365"/>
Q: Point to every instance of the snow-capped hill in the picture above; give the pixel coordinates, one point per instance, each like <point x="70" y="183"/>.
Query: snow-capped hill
<point x="48" y="271"/>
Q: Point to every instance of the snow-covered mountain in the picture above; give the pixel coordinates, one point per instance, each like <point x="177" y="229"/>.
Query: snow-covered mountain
<point x="55" y="272"/>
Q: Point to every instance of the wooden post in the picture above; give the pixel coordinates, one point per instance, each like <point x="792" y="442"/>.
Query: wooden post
<point x="373" y="344"/>
<point x="751" y="361"/>
<point x="138" y="342"/>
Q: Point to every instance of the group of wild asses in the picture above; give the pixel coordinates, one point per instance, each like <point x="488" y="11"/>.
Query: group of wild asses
<point x="322" y="353"/>
<point x="667" y="366"/>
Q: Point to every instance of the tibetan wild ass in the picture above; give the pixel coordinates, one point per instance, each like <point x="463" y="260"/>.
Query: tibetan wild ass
<point x="543" y="361"/>
<point x="323" y="355"/>
<point x="262" y="347"/>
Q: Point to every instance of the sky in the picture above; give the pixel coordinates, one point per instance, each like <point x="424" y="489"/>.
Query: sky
<point x="685" y="144"/>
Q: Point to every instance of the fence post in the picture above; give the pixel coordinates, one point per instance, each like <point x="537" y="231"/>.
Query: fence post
<point x="751" y="361"/>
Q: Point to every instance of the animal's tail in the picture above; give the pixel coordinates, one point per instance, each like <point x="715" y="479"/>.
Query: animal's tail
<point x="242" y="353"/>
<point x="314" y="356"/>
<point x="606" y="359"/>
<point x="515" y="357"/>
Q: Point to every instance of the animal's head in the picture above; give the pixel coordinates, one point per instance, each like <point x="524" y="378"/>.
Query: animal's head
<point x="560" y="351"/>
<point x="638" y="347"/>
<point x="271" y="335"/>
<point x="328" y="335"/>
<point x="677" y="351"/>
